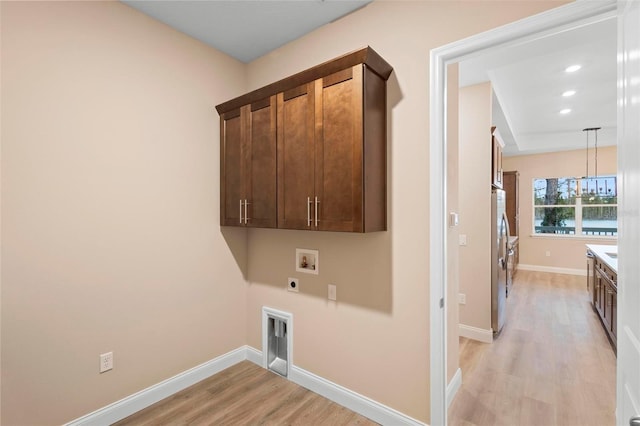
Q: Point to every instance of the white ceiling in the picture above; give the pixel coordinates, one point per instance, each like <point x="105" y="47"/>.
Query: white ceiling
<point x="246" y="29"/>
<point x="529" y="80"/>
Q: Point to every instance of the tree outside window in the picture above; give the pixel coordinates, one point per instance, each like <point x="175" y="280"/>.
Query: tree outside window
<point x="575" y="206"/>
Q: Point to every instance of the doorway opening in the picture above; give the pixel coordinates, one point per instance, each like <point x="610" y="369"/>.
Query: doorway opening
<point x="558" y="20"/>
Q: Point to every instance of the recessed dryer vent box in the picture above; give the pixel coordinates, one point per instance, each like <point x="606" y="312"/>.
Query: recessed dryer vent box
<point x="277" y="333"/>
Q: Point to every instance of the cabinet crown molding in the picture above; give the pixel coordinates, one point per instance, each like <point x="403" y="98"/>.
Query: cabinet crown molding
<point x="366" y="56"/>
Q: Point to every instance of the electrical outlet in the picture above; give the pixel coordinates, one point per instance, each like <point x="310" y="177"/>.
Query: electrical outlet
<point x="106" y="362"/>
<point x="462" y="298"/>
<point x="462" y="239"/>
<point x="332" y="292"/>
<point x="547" y="253"/>
<point x="293" y="285"/>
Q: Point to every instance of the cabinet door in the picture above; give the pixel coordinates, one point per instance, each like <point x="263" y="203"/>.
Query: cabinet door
<point x="296" y="157"/>
<point x="231" y="164"/>
<point x="499" y="174"/>
<point x="260" y="164"/>
<point x="608" y="306"/>
<point x="496" y="161"/>
<point x="599" y="291"/>
<point x="339" y="150"/>
<point x="614" y="313"/>
<point x="510" y="182"/>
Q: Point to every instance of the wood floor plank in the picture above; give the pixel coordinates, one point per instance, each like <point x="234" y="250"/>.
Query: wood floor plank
<point x="551" y="365"/>
<point x="245" y="394"/>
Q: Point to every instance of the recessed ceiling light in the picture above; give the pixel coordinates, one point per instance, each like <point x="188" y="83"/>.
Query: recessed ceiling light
<point x="573" y="68"/>
<point x="569" y="93"/>
<point x="565" y="111"/>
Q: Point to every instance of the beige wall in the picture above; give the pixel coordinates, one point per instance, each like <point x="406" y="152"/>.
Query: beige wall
<point x="110" y="209"/>
<point x="110" y="235"/>
<point x="374" y="340"/>
<point x="566" y="252"/>
<point x="475" y="204"/>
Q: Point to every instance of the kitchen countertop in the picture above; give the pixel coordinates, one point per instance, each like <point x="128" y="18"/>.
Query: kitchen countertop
<point x="602" y="251"/>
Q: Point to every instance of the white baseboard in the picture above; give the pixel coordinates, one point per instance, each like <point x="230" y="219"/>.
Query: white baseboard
<point x="538" y="268"/>
<point x="475" y="333"/>
<point x="146" y="397"/>
<point x="255" y="356"/>
<point x="360" y="404"/>
<point x="127" y="406"/>
<point x="454" y="386"/>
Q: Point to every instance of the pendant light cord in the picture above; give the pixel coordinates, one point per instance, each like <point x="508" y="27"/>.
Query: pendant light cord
<point x="596" y="157"/>
<point x="595" y="129"/>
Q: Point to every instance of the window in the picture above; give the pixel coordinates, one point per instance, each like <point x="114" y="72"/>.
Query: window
<point x="576" y="206"/>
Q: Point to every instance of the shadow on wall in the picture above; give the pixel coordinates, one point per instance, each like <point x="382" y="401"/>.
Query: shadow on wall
<point x="236" y="239"/>
<point x="358" y="264"/>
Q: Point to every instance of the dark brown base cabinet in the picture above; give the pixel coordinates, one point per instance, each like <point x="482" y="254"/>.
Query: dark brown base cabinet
<point x="309" y="152"/>
<point x="605" y="298"/>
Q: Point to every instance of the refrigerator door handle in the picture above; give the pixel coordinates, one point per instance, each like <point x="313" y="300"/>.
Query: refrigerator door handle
<point x="506" y="224"/>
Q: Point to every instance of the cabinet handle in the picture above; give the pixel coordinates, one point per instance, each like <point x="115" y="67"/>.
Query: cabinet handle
<point x="246" y="218"/>
<point x="308" y="211"/>
<point x="316" y="211"/>
<point x="240" y="215"/>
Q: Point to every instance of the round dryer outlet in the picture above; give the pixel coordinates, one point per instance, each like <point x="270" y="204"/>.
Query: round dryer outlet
<point x="293" y="285"/>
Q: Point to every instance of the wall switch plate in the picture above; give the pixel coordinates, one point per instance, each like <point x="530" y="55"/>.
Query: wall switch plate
<point x="462" y="298"/>
<point x="462" y="239"/>
<point x="547" y="253"/>
<point x="332" y="293"/>
<point x="106" y="362"/>
<point x="453" y="219"/>
<point x="293" y="284"/>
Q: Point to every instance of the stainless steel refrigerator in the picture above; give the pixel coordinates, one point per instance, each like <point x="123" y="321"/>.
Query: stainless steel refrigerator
<point x="499" y="259"/>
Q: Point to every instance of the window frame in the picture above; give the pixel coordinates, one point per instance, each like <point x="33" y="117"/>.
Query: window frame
<point x="578" y="207"/>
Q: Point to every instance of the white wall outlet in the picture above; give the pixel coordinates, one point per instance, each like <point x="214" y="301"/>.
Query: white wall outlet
<point x="462" y="239"/>
<point x="106" y="362"/>
<point x="293" y="284"/>
<point x="547" y="253"/>
<point x="462" y="298"/>
<point x="332" y="293"/>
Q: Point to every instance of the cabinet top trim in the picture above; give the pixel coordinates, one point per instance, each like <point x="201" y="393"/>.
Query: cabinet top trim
<point x="366" y="56"/>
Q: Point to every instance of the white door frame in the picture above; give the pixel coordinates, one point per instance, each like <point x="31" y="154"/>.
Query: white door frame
<point x="628" y="324"/>
<point x="554" y="21"/>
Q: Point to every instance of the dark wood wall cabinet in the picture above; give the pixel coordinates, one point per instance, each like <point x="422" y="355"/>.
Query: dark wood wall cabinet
<point x="248" y="165"/>
<point x="309" y="151"/>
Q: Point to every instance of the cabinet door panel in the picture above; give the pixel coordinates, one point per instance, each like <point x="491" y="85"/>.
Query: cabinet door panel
<point x="599" y="292"/>
<point x="260" y="185"/>
<point x="510" y="182"/>
<point x="231" y="191"/>
<point x="339" y="151"/>
<point x="295" y="156"/>
<point x="614" y="313"/>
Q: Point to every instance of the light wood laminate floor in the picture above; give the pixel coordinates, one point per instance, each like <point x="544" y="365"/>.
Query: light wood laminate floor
<point x="245" y="394"/>
<point x="551" y="365"/>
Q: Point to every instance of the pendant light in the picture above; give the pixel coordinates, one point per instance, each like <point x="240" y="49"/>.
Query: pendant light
<point x="595" y="175"/>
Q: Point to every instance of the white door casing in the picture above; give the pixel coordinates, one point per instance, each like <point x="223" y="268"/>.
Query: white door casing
<point x="563" y="18"/>
<point x="628" y="380"/>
